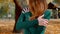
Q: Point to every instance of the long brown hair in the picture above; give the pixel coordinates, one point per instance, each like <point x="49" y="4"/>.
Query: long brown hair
<point x="37" y="8"/>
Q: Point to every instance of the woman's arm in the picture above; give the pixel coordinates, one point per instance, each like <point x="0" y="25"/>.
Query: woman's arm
<point x="21" y="23"/>
<point x="43" y="20"/>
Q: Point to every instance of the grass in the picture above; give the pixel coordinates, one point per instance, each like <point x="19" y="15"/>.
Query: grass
<point x="6" y="27"/>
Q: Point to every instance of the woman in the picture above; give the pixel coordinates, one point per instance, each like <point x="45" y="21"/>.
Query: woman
<point x="34" y="21"/>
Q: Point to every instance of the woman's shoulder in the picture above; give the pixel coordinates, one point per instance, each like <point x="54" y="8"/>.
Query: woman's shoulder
<point x="47" y="14"/>
<point x="47" y="11"/>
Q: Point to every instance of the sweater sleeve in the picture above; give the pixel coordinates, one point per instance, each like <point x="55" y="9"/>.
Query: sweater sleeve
<point x="47" y="14"/>
<point x="21" y="23"/>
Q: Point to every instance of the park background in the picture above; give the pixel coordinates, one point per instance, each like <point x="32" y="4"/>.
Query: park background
<point x="7" y="17"/>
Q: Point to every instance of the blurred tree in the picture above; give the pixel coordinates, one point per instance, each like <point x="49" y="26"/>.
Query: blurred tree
<point x="12" y="9"/>
<point x="57" y="1"/>
<point x="18" y="10"/>
<point x="4" y="10"/>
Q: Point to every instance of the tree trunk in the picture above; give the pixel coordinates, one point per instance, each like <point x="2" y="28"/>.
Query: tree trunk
<point x="18" y="10"/>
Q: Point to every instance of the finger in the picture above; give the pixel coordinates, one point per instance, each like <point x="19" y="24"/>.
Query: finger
<point x="45" y="24"/>
<point x="42" y="16"/>
<point x="41" y="23"/>
<point x="46" y="21"/>
<point x="24" y="9"/>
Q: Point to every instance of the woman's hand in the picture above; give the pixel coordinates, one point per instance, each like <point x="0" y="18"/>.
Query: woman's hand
<point x="42" y="21"/>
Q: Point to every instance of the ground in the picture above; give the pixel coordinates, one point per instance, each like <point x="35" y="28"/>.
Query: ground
<point x="6" y="26"/>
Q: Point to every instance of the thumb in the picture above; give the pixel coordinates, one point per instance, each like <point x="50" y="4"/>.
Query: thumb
<point x="41" y="16"/>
